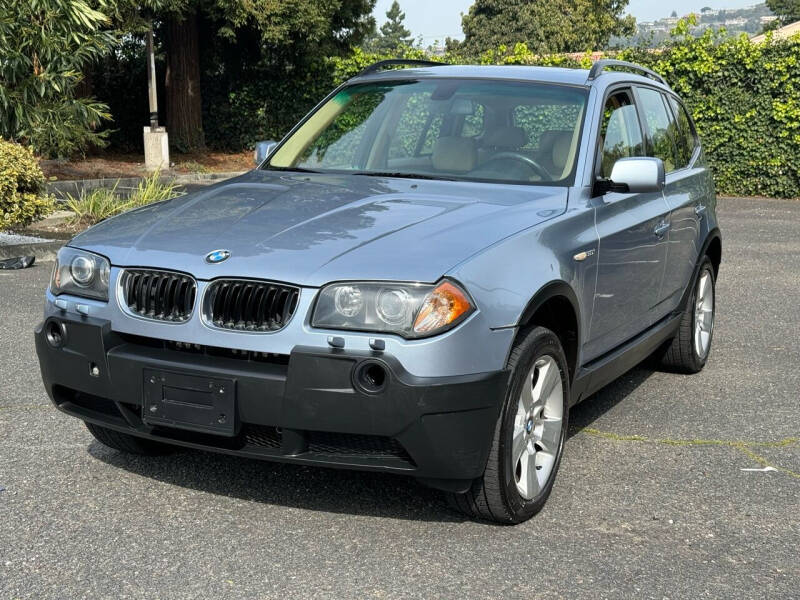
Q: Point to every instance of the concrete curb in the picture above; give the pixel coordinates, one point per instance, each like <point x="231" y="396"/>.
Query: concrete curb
<point x="43" y="251"/>
<point x="125" y="185"/>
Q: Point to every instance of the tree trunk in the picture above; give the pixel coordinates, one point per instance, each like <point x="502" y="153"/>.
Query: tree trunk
<point x="184" y="115"/>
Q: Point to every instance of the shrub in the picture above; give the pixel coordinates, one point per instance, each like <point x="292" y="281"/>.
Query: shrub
<point x="22" y="196"/>
<point x="92" y="206"/>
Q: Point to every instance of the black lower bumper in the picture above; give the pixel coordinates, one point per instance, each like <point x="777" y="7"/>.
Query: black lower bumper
<point x="312" y="407"/>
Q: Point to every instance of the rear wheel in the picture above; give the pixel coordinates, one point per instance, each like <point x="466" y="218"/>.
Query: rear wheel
<point x="689" y="349"/>
<point x="126" y="442"/>
<point x="529" y="435"/>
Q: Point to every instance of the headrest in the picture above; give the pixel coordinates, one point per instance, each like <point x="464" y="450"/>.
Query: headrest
<point x="558" y="143"/>
<point x="454" y="154"/>
<point x="505" y="137"/>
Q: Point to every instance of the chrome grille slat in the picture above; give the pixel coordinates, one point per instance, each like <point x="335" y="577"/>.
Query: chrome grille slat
<point x="249" y="305"/>
<point x="159" y="295"/>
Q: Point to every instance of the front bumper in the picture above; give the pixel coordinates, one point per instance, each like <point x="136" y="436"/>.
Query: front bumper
<point x="302" y="408"/>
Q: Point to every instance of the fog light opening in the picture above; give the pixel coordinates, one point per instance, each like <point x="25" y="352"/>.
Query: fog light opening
<point x="55" y="333"/>
<point x="371" y="377"/>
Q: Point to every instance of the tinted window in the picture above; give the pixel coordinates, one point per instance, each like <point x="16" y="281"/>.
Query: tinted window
<point x="685" y="138"/>
<point x="620" y="131"/>
<point x="660" y="142"/>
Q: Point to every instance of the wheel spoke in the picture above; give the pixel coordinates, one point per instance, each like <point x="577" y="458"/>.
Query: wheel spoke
<point x="549" y="377"/>
<point x="551" y="434"/>
<point x="527" y="395"/>
<point x="519" y="444"/>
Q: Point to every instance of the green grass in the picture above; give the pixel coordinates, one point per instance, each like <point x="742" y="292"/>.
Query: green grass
<point x="93" y="206"/>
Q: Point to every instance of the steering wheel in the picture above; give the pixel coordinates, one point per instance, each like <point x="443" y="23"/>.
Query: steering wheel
<point x="538" y="169"/>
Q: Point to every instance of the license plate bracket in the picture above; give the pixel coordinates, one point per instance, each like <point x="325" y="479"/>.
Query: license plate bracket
<point x="197" y="403"/>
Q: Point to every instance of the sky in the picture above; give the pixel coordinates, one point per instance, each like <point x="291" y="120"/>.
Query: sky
<point x="438" y="19"/>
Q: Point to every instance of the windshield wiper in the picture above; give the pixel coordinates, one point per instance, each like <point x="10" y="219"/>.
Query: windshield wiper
<point x="403" y="175"/>
<point x="294" y="169"/>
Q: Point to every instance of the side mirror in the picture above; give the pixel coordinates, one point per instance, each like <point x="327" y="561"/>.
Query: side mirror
<point x="263" y="150"/>
<point x="637" y="175"/>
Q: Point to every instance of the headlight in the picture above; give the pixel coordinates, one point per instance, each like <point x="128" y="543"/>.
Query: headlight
<point x="80" y="273"/>
<point x="406" y="309"/>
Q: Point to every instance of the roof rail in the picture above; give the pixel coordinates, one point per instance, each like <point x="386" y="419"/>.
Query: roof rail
<point x="601" y="65"/>
<point x="375" y="67"/>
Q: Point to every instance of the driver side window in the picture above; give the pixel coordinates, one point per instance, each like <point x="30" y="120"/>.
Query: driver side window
<point x="620" y="132"/>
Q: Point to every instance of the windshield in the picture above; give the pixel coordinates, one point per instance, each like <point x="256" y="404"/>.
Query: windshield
<point x="483" y="130"/>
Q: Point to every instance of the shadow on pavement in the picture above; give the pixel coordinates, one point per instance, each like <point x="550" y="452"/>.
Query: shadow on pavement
<point x="599" y="403"/>
<point x="327" y="489"/>
<point x="295" y="486"/>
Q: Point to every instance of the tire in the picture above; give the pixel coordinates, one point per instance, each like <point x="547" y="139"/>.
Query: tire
<point x="684" y="354"/>
<point x="537" y="358"/>
<point x="125" y="442"/>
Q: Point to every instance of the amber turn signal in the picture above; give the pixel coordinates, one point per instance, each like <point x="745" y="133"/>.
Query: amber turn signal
<point x="445" y="305"/>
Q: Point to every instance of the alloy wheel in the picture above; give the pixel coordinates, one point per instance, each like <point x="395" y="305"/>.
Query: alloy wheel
<point x="704" y="314"/>
<point x="537" y="427"/>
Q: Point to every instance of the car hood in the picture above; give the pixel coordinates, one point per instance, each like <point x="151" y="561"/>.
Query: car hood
<point x="315" y="228"/>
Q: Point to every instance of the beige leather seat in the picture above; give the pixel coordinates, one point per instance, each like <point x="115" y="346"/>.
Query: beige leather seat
<point x="553" y="152"/>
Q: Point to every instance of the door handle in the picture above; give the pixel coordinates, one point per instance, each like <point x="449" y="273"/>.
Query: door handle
<point x="662" y="229"/>
<point x="700" y="211"/>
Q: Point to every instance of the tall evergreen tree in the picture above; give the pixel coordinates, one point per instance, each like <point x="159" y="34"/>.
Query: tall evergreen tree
<point x="392" y="34"/>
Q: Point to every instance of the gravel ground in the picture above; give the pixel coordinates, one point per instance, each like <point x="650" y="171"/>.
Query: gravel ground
<point x="660" y="493"/>
<point x="12" y="239"/>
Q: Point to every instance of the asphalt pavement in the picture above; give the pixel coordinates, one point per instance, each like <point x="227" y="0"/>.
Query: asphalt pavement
<point x="671" y="486"/>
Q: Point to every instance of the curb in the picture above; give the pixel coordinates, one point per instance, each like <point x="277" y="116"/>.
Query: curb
<point x="43" y="251"/>
<point x="125" y="185"/>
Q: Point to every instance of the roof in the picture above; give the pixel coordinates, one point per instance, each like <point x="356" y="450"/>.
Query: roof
<point x="779" y="34"/>
<point x="510" y="72"/>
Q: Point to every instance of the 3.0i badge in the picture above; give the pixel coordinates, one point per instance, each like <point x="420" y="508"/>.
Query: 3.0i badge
<point x="217" y="256"/>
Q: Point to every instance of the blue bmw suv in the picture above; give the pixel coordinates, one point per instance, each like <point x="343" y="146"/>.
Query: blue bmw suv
<point x="421" y="278"/>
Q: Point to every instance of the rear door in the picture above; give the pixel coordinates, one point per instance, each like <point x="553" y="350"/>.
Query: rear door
<point x="632" y="236"/>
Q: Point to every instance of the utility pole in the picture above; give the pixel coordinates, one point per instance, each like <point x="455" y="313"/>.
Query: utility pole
<point x="156" y="141"/>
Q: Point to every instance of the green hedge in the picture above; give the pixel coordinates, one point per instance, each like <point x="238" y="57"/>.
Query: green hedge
<point x="745" y="100"/>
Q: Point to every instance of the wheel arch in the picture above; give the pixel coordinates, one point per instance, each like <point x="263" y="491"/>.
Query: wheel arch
<point x="713" y="249"/>
<point x="555" y="306"/>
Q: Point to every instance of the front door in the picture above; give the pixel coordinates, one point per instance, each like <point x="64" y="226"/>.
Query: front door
<point x="632" y="231"/>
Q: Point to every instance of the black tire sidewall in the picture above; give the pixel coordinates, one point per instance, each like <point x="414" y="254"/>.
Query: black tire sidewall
<point x="539" y="342"/>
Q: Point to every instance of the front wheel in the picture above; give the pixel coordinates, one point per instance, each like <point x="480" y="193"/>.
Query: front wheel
<point x="529" y="434"/>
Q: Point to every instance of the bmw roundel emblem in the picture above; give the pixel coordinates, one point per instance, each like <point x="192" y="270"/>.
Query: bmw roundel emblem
<point x="217" y="256"/>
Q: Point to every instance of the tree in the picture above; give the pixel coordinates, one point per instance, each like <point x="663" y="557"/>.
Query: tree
<point x="195" y="35"/>
<point x="787" y="11"/>
<point x="45" y="47"/>
<point x="393" y="32"/>
<point x="546" y="26"/>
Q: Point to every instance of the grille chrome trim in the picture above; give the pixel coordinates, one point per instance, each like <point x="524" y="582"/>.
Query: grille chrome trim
<point x="249" y="305"/>
<point x="157" y="295"/>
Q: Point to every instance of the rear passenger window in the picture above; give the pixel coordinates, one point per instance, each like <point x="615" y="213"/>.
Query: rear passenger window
<point x="660" y="129"/>
<point x="685" y="138"/>
<point x="621" y="135"/>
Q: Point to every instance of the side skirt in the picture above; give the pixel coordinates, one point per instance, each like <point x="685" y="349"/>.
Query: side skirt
<point x="603" y="370"/>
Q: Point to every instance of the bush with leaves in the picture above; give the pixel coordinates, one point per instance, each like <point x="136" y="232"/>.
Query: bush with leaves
<point x="22" y="192"/>
<point x="46" y="45"/>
